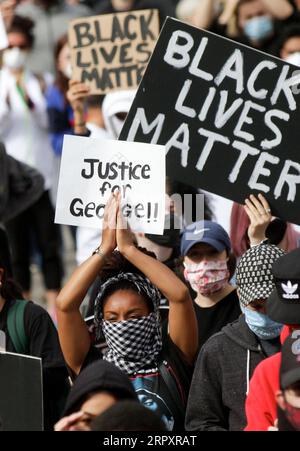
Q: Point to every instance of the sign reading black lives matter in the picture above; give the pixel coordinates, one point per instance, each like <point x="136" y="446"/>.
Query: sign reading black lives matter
<point x="111" y="51"/>
<point x="91" y="169"/>
<point x="227" y="114"/>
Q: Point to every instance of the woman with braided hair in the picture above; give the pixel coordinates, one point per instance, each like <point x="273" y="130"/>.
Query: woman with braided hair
<point x="126" y="311"/>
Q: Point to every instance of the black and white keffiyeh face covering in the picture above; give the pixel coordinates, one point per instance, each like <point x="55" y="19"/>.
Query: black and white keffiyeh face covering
<point x="133" y="344"/>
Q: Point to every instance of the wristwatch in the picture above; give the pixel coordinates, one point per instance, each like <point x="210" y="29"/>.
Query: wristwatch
<point x="99" y="251"/>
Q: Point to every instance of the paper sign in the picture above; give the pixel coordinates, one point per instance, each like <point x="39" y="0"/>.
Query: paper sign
<point x="3" y="35"/>
<point x="110" y="52"/>
<point x="91" y="169"/>
<point x="227" y="114"/>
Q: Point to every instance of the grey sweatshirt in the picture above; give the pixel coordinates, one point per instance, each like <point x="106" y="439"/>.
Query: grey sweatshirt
<point x="221" y="379"/>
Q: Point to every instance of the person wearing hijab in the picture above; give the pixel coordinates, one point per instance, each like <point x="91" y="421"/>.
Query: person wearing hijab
<point x="126" y="310"/>
<point x="97" y="388"/>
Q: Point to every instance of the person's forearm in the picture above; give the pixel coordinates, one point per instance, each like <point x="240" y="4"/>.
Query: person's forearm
<point x="280" y="9"/>
<point x="75" y="290"/>
<point x="79" y="123"/>
<point x="160" y="275"/>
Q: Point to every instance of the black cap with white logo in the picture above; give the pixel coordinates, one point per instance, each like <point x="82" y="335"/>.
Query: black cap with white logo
<point x="283" y="304"/>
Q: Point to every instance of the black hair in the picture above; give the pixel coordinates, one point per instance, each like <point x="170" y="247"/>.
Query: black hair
<point x="61" y="81"/>
<point x="94" y="101"/>
<point x="231" y="264"/>
<point x="128" y="416"/>
<point x="25" y="26"/>
<point x="288" y="32"/>
<point x="295" y="387"/>
<point x="9" y="289"/>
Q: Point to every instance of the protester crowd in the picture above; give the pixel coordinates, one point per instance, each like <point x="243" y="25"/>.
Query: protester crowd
<point x="187" y="330"/>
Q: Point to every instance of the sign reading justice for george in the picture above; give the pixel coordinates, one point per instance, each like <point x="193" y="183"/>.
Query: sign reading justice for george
<point x="110" y="52"/>
<point x="227" y="114"/>
<point x="91" y="169"/>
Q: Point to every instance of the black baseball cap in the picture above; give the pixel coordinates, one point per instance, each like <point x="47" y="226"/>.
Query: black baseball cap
<point x="283" y="304"/>
<point x="290" y="361"/>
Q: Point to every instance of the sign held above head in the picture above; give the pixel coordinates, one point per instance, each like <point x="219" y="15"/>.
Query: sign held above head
<point x="227" y="114"/>
<point x="110" y="52"/>
<point x="91" y="169"/>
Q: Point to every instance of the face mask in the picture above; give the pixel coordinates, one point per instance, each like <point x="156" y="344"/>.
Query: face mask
<point x="292" y="415"/>
<point x="261" y="325"/>
<point x="293" y="58"/>
<point x="207" y="277"/>
<point x="259" y="28"/>
<point x="132" y="344"/>
<point x="14" y="58"/>
<point x="67" y="71"/>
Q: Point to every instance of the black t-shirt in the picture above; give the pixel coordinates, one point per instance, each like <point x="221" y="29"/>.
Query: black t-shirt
<point x="43" y="343"/>
<point x="167" y="400"/>
<point x="212" y="319"/>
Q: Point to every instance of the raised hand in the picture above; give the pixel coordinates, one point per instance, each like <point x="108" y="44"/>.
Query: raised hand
<point x="125" y="238"/>
<point x="109" y="239"/>
<point x="259" y="213"/>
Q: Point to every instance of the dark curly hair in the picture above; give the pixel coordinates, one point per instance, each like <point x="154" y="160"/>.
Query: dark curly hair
<point x="25" y="26"/>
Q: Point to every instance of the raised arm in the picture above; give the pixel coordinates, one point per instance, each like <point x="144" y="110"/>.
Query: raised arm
<point x="76" y="95"/>
<point x="73" y="334"/>
<point x="183" y="328"/>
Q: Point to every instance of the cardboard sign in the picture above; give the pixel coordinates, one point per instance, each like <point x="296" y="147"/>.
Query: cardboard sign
<point x="21" y="393"/>
<point x="110" y="52"/>
<point x="3" y="35"/>
<point x="227" y="114"/>
<point x="91" y="169"/>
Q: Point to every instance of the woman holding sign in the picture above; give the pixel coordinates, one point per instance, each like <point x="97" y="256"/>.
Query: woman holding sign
<point x="126" y="310"/>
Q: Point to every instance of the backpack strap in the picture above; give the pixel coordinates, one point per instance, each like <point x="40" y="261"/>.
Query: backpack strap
<point x="16" y="327"/>
<point x="172" y="386"/>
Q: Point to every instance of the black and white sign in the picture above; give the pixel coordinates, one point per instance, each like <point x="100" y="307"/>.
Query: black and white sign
<point x="227" y="114"/>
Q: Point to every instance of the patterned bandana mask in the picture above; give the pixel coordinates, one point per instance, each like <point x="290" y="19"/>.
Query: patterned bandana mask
<point x="136" y="343"/>
<point x="207" y="277"/>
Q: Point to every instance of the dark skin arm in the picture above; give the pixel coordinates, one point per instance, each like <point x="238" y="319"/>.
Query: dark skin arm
<point x="73" y="333"/>
<point x="183" y="328"/>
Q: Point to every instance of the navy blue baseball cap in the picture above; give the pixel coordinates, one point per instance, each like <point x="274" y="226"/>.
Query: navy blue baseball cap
<point x="204" y="232"/>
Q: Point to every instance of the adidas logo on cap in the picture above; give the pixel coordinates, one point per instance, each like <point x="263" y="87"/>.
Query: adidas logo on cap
<point x="289" y="290"/>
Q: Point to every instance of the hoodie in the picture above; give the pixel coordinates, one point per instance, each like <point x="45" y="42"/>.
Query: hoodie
<point x="221" y="379"/>
<point x="100" y="376"/>
<point x="261" y="407"/>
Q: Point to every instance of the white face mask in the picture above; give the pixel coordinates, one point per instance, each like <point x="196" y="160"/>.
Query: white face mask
<point x="293" y="58"/>
<point x="14" y="58"/>
<point x="67" y="71"/>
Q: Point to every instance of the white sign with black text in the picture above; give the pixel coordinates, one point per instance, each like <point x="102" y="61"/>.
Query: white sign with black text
<point x="91" y="169"/>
